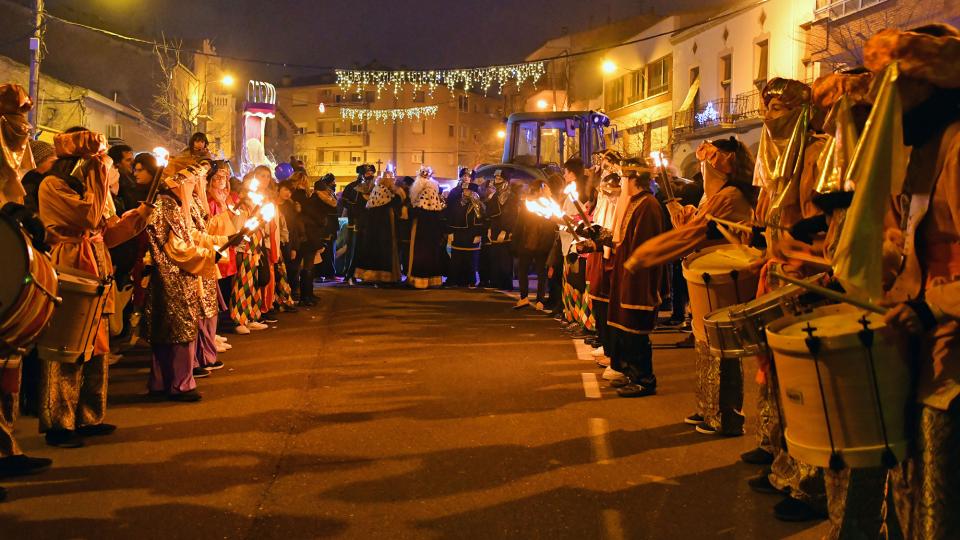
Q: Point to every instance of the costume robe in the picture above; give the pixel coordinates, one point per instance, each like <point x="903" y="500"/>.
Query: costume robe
<point x="378" y="260"/>
<point x="427" y="262"/>
<point x="466" y="227"/>
<point x="502" y="212"/>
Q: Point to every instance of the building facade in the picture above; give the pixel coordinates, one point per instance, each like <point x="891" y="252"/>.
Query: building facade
<point x="464" y="132"/>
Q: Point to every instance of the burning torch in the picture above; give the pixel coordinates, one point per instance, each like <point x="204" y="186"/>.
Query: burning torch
<point x="549" y="209"/>
<point x="161" y="154"/>
<point x="571" y="191"/>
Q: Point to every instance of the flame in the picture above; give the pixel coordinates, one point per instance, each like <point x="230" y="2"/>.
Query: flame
<point x="254" y="185"/>
<point x="658" y="158"/>
<point x="268" y="212"/>
<point x="257" y="198"/>
<point x="251" y="224"/>
<point x="536" y="208"/>
<point x="571" y="191"/>
<point x="550" y="207"/>
<point x="161" y="154"/>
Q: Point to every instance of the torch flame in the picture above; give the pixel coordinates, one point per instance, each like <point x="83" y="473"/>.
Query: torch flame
<point x="257" y="198"/>
<point x="161" y="154"/>
<point x="254" y="185"/>
<point x="268" y="212"/>
<point x="251" y="224"/>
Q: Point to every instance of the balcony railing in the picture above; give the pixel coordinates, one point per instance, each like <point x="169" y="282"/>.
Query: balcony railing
<point x="836" y="9"/>
<point x="719" y="113"/>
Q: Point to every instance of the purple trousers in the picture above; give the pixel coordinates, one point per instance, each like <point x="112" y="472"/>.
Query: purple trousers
<point x="206" y="343"/>
<point x="172" y="368"/>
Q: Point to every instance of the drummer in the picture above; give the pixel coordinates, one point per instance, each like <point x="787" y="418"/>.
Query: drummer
<point x="926" y="293"/>
<point x="788" y="143"/>
<point x="727" y="168"/>
<point x="81" y="226"/>
<point x="14" y="104"/>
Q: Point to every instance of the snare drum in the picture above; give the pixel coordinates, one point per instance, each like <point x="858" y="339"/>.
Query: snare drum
<point x="718" y="277"/>
<point x="78" y="318"/>
<point x="722" y="335"/>
<point x="859" y="416"/>
<point x="751" y="318"/>
<point x="28" y="288"/>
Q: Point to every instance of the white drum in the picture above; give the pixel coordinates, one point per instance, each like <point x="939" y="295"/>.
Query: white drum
<point x="844" y="387"/>
<point x="73" y="328"/>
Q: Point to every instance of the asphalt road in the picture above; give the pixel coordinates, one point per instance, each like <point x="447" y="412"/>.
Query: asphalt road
<point x="390" y="413"/>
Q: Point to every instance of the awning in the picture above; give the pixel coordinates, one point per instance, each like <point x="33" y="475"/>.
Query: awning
<point x="688" y="101"/>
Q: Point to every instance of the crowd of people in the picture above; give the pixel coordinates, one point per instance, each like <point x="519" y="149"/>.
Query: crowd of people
<point x="192" y="252"/>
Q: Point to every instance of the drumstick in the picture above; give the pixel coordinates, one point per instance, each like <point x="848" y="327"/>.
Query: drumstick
<point x="730" y="224"/>
<point x="722" y="229"/>
<point x="831" y="294"/>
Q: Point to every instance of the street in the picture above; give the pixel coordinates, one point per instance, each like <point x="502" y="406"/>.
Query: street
<point x="392" y="413"/>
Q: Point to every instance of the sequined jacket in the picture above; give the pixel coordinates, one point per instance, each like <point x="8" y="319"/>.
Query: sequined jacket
<point x="182" y="256"/>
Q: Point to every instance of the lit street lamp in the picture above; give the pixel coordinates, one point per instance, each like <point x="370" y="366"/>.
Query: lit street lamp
<point x="227" y="80"/>
<point x="542" y="104"/>
<point x="609" y="66"/>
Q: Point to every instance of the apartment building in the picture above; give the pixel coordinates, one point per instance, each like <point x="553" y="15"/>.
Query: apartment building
<point x="721" y="67"/>
<point x="466" y="130"/>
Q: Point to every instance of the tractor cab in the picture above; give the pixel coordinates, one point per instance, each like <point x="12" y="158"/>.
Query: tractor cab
<point x="537" y="144"/>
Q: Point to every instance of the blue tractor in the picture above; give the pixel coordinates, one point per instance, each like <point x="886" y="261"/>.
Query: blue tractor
<point x="537" y="144"/>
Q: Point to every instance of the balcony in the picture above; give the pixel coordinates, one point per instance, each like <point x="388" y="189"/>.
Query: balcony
<point x="719" y="114"/>
<point x="838" y="9"/>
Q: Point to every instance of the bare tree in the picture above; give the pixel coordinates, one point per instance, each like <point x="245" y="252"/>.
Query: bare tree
<point x="181" y="97"/>
<point x="838" y="44"/>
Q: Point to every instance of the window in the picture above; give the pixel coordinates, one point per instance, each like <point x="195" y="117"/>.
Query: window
<point x="694" y="75"/>
<point x="321" y="127"/>
<point x="451" y="130"/>
<point x="337" y="127"/>
<point x="613" y="94"/>
<point x="476" y="107"/>
<point x="463" y="102"/>
<point x="339" y="98"/>
<point x="301" y="99"/>
<point x="320" y="155"/>
<point x="419" y="96"/>
<point x="356" y="127"/>
<point x="370" y="96"/>
<point x="761" y="59"/>
<point x="336" y="156"/>
<point x="726" y="77"/>
<point x="300" y="129"/>
<point x="658" y="76"/>
<point x="326" y="93"/>
<point x="659" y="134"/>
<point x="419" y="126"/>
<point x="633" y="86"/>
<point x="416" y="156"/>
<point x="301" y="157"/>
<point x="463" y="133"/>
<point x="356" y="157"/>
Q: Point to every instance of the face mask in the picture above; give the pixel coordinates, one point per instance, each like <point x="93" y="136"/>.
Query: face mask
<point x="781" y="128"/>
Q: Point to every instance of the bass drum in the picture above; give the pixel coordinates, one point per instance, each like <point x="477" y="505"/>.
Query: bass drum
<point x="719" y="277"/>
<point x="78" y="318"/>
<point x="28" y="289"/>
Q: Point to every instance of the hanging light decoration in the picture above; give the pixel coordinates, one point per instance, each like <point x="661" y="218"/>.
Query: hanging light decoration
<point x="484" y="77"/>
<point x="393" y="115"/>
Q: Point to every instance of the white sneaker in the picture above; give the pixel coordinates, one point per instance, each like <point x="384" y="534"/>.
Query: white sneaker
<point x="611" y="374"/>
<point x="598" y="352"/>
<point x="602" y="361"/>
<point x="242" y="330"/>
<point x="221" y="349"/>
<point x="539" y="306"/>
<point x="220" y="338"/>
<point x="225" y="345"/>
<point x="523" y="302"/>
<point x="254" y="325"/>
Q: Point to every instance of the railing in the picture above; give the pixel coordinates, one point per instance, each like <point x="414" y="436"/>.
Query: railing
<point x="719" y="113"/>
<point x="836" y="9"/>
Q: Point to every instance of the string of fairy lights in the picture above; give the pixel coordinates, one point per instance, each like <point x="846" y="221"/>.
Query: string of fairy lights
<point x="389" y="115"/>
<point x="481" y="77"/>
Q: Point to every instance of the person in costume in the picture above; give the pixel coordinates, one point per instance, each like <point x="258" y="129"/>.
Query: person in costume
<point x="15" y="157"/>
<point x="787" y="172"/>
<point x="354" y="200"/>
<point x="378" y="261"/>
<point x="606" y="195"/>
<point x="576" y="308"/>
<point x="211" y="303"/>
<point x="179" y="298"/>
<point x="532" y="240"/>
<point x="427" y="233"/>
<point x="502" y="211"/>
<point x="247" y="290"/>
<point x="465" y="223"/>
<point x="75" y="208"/>
<point x="924" y="227"/>
<point x="223" y="202"/>
<point x="634" y="296"/>
<point x="319" y="222"/>
<point x="727" y="169"/>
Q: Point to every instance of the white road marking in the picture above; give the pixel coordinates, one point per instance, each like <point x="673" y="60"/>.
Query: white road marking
<point x="613" y="524"/>
<point x="599" y="444"/>
<point x="591" y="388"/>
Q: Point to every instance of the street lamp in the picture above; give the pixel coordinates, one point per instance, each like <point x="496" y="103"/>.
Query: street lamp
<point x="541" y="104"/>
<point x="609" y="66"/>
<point x="501" y="133"/>
<point x="227" y="80"/>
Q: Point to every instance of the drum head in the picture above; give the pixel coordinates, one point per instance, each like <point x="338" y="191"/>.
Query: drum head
<point x="16" y="264"/>
<point x="72" y="279"/>
<point x="832" y="321"/>
<point x="719" y="261"/>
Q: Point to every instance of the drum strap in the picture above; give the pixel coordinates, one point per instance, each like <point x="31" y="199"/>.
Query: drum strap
<point x="866" y="338"/>
<point x="813" y="344"/>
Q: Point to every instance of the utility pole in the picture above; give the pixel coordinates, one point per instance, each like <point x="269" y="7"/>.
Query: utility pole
<point x="35" y="63"/>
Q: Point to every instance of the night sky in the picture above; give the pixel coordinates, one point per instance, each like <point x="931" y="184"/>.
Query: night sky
<point x="414" y="34"/>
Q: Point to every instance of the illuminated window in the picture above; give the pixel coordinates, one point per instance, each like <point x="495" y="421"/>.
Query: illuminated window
<point x="726" y="77"/>
<point x="761" y="59"/>
<point x="419" y="126"/>
<point x="658" y="76"/>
